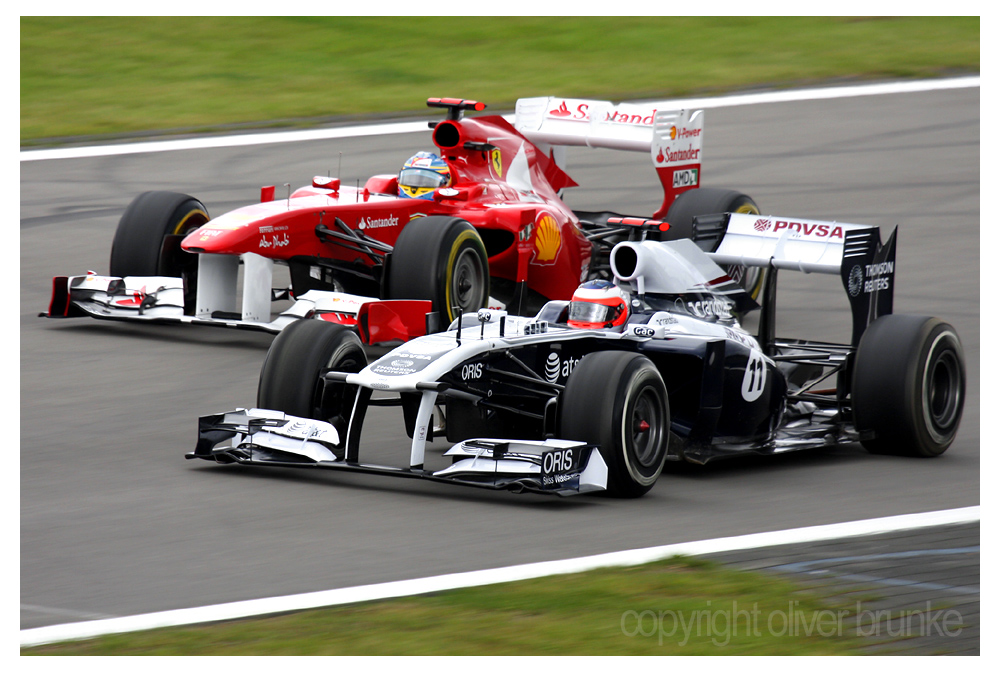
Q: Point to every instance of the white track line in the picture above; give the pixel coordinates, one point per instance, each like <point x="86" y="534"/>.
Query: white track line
<point x="394" y="589"/>
<point x="412" y="127"/>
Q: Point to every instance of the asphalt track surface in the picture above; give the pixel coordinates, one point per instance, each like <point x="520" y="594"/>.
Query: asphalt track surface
<point x="915" y="592"/>
<point x="115" y="522"/>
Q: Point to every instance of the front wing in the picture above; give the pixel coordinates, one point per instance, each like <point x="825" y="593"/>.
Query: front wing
<point x="161" y="300"/>
<point x="269" y="437"/>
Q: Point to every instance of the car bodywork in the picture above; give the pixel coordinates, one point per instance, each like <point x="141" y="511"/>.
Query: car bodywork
<point x="338" y="241"/>
<point x="501" y="381"/>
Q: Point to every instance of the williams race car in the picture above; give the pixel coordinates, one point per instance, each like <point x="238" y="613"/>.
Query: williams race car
<point x="599" y="392"/>
<point x="479" y="225"/>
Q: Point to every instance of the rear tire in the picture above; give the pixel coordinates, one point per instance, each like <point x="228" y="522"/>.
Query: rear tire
<point x="291" y="376"/>
<point x="147" y="241"/>
<point x="908" y="385"/>
<point x="617" y="400"/>
<point x="704" y="201"/>
<point x="441" y="259"/>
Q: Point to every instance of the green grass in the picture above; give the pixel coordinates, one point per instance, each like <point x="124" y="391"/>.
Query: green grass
<point x="118" y="75"/>
<point x="590" y="613"/>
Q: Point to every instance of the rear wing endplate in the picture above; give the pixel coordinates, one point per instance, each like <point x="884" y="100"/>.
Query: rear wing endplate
<point x="854" y="252"/>
<point x="673" y="137"/>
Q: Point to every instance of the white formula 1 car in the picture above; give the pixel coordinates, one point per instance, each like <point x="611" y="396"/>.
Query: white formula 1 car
<point x="537" y="404"/>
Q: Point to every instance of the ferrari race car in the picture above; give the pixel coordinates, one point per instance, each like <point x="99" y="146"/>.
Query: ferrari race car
<point x="480" y="226"/>
<point x="597" y="393"/>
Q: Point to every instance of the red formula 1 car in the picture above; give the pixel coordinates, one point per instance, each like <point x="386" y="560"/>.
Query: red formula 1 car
<point x="480" y="224"/>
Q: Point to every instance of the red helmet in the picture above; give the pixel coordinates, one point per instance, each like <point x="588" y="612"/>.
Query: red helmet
<point x="598" y="304"/>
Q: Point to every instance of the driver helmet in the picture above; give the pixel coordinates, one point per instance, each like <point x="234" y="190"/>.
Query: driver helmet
<point x="598" y="304"/>
<point x="423" y="173"/>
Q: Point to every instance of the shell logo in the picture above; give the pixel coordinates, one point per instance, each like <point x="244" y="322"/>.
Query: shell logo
<point x="548" y="240"/>
<point x="672" y="133"/>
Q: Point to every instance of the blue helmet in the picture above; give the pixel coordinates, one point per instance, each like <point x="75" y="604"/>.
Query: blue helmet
<point x="423" y="173"/>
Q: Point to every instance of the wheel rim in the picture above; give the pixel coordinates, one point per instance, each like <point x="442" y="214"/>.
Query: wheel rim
<point x="467" y="282"/>
<point x="646" y="429"/>
<point x="942" y="391"/>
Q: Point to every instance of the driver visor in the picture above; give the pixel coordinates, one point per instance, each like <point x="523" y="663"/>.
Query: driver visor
<point x="421" y="178"/>
<point x="590" y="312"/>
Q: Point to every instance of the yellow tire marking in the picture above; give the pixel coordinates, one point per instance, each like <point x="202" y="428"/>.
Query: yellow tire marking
<point x="180" y="229"/>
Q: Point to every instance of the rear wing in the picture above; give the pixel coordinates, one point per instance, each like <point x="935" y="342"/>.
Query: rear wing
<point x="854" y="252"/>
<point x="672" y="137"/>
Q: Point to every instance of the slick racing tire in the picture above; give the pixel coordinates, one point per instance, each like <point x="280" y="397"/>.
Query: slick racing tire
<point x="703" y="201"/>
<point x="617" y="400"/>
<point x="908" y="385"/>
<point x="147" y="241"/>
<point x="441" y="259"/>
<point x="291" y="377"/>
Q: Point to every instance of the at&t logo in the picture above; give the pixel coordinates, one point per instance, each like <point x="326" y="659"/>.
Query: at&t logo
<point x="556" y="368"/>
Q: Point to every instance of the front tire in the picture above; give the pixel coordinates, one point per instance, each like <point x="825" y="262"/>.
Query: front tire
<point x="908" y="385"/>
<point x="441" y="259"/>
<point x="703" y="201"/>
<point x="147" y="241"/>
<point x="617" y="400"/>
<point x="291" y="376"/>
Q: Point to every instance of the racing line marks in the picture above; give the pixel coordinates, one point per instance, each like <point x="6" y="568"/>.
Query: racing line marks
<point x="57" y="611"/>
<point x="806" y="568"/>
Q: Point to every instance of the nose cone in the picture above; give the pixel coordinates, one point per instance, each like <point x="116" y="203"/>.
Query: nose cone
<point x="235" y="232"/>
<point x="209" y="239"/>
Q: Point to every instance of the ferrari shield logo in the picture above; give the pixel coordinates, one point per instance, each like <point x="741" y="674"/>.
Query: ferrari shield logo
<point x="497" y="160"/>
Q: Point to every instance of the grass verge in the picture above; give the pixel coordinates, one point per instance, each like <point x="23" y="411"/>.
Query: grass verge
<point x="681" y="606"/>
<point x="116" y="75"/>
